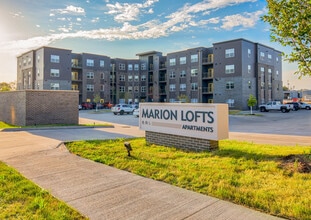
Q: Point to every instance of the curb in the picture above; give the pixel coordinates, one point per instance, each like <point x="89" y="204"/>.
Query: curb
<point x="52" y="128"/>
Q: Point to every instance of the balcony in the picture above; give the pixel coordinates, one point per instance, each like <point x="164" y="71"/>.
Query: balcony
<point x="208" y="75"/>
<point x="76" y="79"/>
<point x="207" y="90"/>
<point x="209" y="59"/>
<point x="76" y="65"/>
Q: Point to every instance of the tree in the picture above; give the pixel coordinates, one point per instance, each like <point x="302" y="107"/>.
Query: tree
<point x="251" y="102"/>
<point x="291" y="26"/>
<point x="96" y="100"/>
<point x="183" y="98"/>
<point x="5" y="87"/>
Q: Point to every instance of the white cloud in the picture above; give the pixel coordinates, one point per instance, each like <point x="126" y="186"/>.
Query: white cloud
<point x="245" y="20"/>
<point x="72" y="10"/>
<point x="129" y="12"/>
<point x="17" y="14"/>
<point x="178" y="21"/>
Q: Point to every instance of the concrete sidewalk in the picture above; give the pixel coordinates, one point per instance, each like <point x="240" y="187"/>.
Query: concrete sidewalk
<point x="102" y="192"/>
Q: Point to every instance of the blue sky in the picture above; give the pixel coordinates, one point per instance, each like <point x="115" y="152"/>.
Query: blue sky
<point x="124" y="28"/>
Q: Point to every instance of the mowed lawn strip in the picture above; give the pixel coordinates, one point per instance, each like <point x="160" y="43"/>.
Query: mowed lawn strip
<point x="253" y="175"/>
<point x="22" y="199"/>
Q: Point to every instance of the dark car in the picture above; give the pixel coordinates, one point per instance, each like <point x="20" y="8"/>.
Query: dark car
<point x="295" y="104"/>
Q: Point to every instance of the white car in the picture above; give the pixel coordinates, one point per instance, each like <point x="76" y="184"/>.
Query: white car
<point x="136" y="112"/>
<point x="304" y="105"/>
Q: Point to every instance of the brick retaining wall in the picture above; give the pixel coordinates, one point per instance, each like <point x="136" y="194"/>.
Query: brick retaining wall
<point x="182" y="142"/>
<point x="39" y="107"/>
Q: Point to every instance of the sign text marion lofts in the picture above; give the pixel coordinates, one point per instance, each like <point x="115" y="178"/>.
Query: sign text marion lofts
<point x="205" y="121"/>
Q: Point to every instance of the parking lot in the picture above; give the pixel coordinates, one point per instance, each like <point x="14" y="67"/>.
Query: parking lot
<point x="292" y="123"/>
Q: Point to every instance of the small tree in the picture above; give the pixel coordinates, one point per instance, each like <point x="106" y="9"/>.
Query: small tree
<point x="96" y="99"/>
<point x="251" y="102"/>
<point x="183" y="98"/>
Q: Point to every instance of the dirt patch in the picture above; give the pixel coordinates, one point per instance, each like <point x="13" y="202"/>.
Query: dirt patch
<point x="297" y="163"/>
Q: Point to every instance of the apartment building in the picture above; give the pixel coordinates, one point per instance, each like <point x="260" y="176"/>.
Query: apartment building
<point x="227" y="72"/>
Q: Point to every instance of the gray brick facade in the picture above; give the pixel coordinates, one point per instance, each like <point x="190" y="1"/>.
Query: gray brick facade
<point x="228" y="72"/>
<point x="39" y="107"/>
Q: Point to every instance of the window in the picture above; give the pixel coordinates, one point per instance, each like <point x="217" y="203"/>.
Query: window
<point x="262" y="69"/>
<point x="249" y="68"/>
<point x="262" y="55"/>
<point x="102" y="63"/>
<point x="130" y="89"/>
<point x="54" y="59"/>
<point x="230" y="102"/>
<point x="102" y="88"/>
<point x="269" y="71"/>
<point x="182" y="87"/>
<point x="136" y="78"/>
<point x="143" y="77"/>
<point x="194" y="100"/>
<point x="277" y="72"/>
<point x="182" y="60"/>
<point x="269" y="56"/>
<point x="54" y="73"/>
<point x="90" y="75"/>
<point x="89" y="62"/>
<point x="194" y="58"/>
<point x="172" y="62"/>
<point x="172" y="100"/>
<point x="136" y="67"/>
<point x="229" y="69"/>
<point x="122" y="89"/>
<point x="194" y="86"/>
<point x="102" y="75"/>
<point x="277" y="59"/>
<point x="130" y="78"/>
<point x="54" y="86"/>
<point x="143" y="88"/>
<point x="143" y="66"/>
<point x="122" y="77"/>
<point x="194" y="72"/>
<point x="183" y="74"/>
<point x="230" y="85"/>
<point x="89" y="88"/>
<point x="249" y="52"/>
<point x="29" y="60"/>
<point x="172" y="75"/>
<point x="229" y="52"/>
<point x="136" y="88"/>
<point x="130" y="67"/>
<point x="172" y="87"/>
<point x="121" y="66"/>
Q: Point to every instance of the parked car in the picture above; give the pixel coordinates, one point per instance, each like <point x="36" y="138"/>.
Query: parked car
<point x="122" y="108"/>
<point x="87" y="105"/>
<point x="304" y="105"/>
<point x="107" y="105"/>
<point x="136" y="112"/>
<point x="296" y="105"/>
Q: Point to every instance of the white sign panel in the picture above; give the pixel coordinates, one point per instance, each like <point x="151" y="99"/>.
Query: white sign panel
<point x="205" y="121"/>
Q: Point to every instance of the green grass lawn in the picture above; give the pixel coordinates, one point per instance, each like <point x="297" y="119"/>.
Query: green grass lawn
<point x="272" y="179"/>
<point x="22" y="199"/>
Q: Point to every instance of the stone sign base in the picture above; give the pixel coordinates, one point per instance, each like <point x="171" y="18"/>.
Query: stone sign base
<point x="182" y="142"/>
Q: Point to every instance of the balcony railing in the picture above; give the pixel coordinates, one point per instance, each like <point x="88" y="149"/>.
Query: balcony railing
<point x="208" y="75"/>
<point x="76" y="65"/>
<point x="208" y="89"/>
